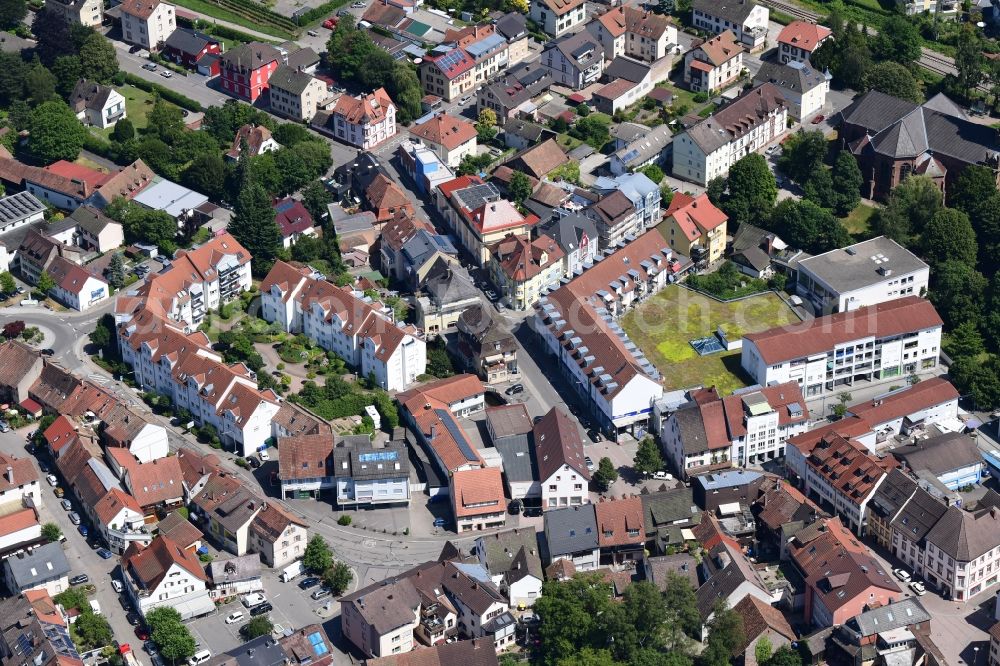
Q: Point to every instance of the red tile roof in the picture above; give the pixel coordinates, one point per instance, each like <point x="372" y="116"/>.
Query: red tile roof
<point x="112" y="504"/>
<point x="60" y="434"/>
<point x="521" y="259"/>
<point x="23" y="470"/>
<point x="804" y="35"/>
<point x="456" y="65"/>
<point x="558" y="443"/>
<point x="150" y="564"/>
<point x="695" y="215"/>
<point x="156" y="481"/>
<point x="922" y="395"/>
<point x="616" y="518"/>
<point x="780" y="397"/>
<point x="903" y="315"/>
<point x="445" y="130"/>
<point x="757" y="618"/>
<point x="477" y="491"/>
<point x="17" y="521"/>
<point x="366" y="109"/>
<point x="448" y="391"/>
<point x="848" y="466"/>
<point x="305" y="457"/>
<point x="292" y="217"/>
<point x="561" y="7"/>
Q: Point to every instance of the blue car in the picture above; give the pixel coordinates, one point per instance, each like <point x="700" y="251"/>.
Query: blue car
<point x="82" y="529"/>
<point x="439" y="522"/>
<point x="105" y="554"/>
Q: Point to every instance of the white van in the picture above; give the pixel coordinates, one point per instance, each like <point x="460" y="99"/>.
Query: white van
<point x="94" y="606"/>
<point x="200" y="657"/>
<point x="254" y="599"/>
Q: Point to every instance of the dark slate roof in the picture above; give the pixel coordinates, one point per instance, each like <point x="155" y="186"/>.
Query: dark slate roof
<point x="512" y="25"/>
<point x="886" y="618"/>
<point x="571" y="530"/>
<point x="691" y="428"/>
<point x="45" y="563"/>
<point x="525" y="129"/>
<point x="518" y="459"/>
<point x="188" y="41"/>
<point x="965" y="535"/>
<point x="919" y="515"/>
<point x="941" y="454"/>
<point x="360" y="457"/>
<point x="724" y="581"/>
<point x="734" y="11"/>
<point x="894" y="492"/>
<point x="290" y="79"/>
<point x="628" y="69"/>
<point x="795" y="76"/>
<point x="568" y="230"/>
<point x="668" y="507"/>
<point x="447" y="283"/>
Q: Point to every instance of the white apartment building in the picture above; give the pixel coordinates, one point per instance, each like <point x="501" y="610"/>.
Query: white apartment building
<point x="875" y="344"/>
<point x="364" y="121"/>
<point x="803" y="87"/>
<point x="714" y="64"/>
<point x="147" y="23"/>
<point x="277" y="536"/>
<point x="85" y="12"/>
<point x="867" y="273"/>
<point x="295" y="94"/>
<point x="340" y="320"/>
<point x="620" y="388"/>
<point x="562" y="469"/>
<point x="630" y="31"/>
<point x="574" y="60"/>
<point x="183" y="368"/>
<point x="558" y="17"/>
<point x="709" y="148"/>
<point x="747" y="19"/>
<point x="165" y="574"/>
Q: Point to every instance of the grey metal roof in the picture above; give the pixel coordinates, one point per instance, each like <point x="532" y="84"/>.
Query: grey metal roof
<point x="18" y="207"/>
<point x="568" y="230"/>
<point x="448" y="283"/>
<point x="919" y="515"/>
<point x="626" y="68"/>
<point x="892" y="494"/>
<point x="899" y="614"/>
<point x="365" y="461"/>
<point x="503" y="548"/>
<point x="45" y="563"/>
<point x="518" y="459"/>
<point x="512" y="25"/>
<point x="668" y="507"/>
<point x="728" y="479"/>
<point x="645" y="147"/>
<point x="188" y="41"/>
<point x="424" y="245"/>
<point x="90" y="219"/>
<point x="478" y="49"/>
<point x="571" y="530"/>
<point x="941" y="454"/>
<point x="244" y="567"/>
<point x="580" y="49"/>
<point x="290" y="79"/>
<point x="794" y="76"/>
<point x="862" y="264"/>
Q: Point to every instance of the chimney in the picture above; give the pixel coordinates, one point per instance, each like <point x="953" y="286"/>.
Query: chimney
<point x="10" y="475"/>
<point x="433" y="430"/>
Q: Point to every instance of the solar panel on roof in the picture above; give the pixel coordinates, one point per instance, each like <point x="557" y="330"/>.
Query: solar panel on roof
<point x="377" y="456"/>
<point x="318" y="644"/>
<point x="457" y="434"/>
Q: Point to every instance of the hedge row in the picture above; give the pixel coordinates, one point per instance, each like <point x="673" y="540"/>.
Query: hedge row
<point x="166" y="93"/>
<point x="225" y="32"/>
<point x="317" y="13"/>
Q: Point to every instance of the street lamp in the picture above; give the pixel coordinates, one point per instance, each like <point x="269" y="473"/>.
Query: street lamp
<point x="975" y="655"/>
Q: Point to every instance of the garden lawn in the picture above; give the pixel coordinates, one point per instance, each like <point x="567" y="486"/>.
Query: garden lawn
<point x="138" y="104"/>
<point x="664" y="325"/>
<point x="857" y="221"/>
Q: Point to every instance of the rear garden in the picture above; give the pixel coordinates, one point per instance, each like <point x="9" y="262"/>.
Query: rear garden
<point x="664" y="326"/>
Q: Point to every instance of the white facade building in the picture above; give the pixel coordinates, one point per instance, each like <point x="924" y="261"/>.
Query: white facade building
<point x="867" y="273"/>
<point x="747" y="20"/>
<point x="147" y="23"/>
<point x="165" y="574"/>
<point x="876" y="344"/>
<point x="803" y="87"/>
<point x="339" y="320"/>
<point x="558" y="17"/>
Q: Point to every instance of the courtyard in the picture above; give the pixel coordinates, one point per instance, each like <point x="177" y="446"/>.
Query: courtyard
<point x="664" y="326"/>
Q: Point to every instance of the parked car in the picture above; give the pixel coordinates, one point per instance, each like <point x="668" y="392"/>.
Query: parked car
<point x="142" y="633"/>
<point x="52" y="480"/>
<point x="918" y="588"/>
<point x="66" y="505"/>
<point x="104" y="553"/>
<point x="166" y="73"/>
<point x="253" y="462"/>
<point x="74" y="518"/>
<point x="307" y="583"/>
<point x="265" y="607"/>
<point x="253" y="599"/>
<point x="82" y="529"/>
<point x="515" y="389"/>
<point x="199" y="657"/>
<point x="150" y="66"/>
<point x="116" y="585"/>
<point x="79" y="579"/>
<point x="264" y="456"/>
<point x="902" y="574"/>
<point x="59" y="492"/>
<point x="595" y="436"/>
<point x="818" y="119"/>
<point x="4" y="427"/>
<point x="233" y="618"/>
<point x="312" y="33"/>
<point x="663" y="476"/>
<point x="48" y="352"/>
<point x="590" y="463"/>
<point x="132" y="618"/>
<point x="321" y="593"/>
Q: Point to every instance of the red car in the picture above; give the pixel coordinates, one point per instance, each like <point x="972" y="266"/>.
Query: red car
<point x="818" y="119"/>
<point x="330" y="23"/>
<point x="142" y="633"/>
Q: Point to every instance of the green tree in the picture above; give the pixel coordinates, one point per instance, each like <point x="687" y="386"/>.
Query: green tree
<point x="12" y="12"/>
<point x="588" y="656"/>
<point x="56" y="134"/>
<point x="51" y="532"/>
<point x="958" y="292"/>
<point x="207" y="173"/>
<point x="165" y="120"/>
<point x="569" y="172"/>
<point x="681" y="601"/>
<point x="40" y="83"/>
<point x="894" y="79"/>
<point x="569" y="614"/>
<point x="93" y="630"/>
<point x="583" y="110"/>
<point x="169" y="634"/>
<point x="258" y="626"/>
<point x="654" y="173"/>
<point x="7" y="283"/>
<point x="949" y="236"/>
<point x="725" y="634"/>
<point x="72" y="598"/>
<point x="784" y="656"/>
<point x="974" y="186"/>
<point x="605" y="475"/>
<point x="103" y="332"/>
<point x="752" y="190"/>
<point x="648" y="458"/>
<point x="315" y="197"/>
<point x="763" y="650"/>
<point x="969" y="60"/>
<point x="290" y="134"/>
<point x="593" y="130"/>
<point x="805" y="225"/>
<point x="847" y="181"/>
<point x="45" y="283"/>
<point x="116" y="271"/>
<point x="124" y="131"/>
<point x="486" y="126"/>
<point x="911" y="206"/>
<point x="254" y="226"/>
<point x="898" y="40"/>
<point x="819" y="188"/>
<point x="716" y="190"/>
<point x="520" y="186"/>
<point x="338" y="578"/>
<point x="318" y="556"/>
<point x="802" y="154"/>
<point x="979" y="380"/>
<point x="67" y="70"/>
<point x="98" y="60"/>
<point x="966" y="340"/>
